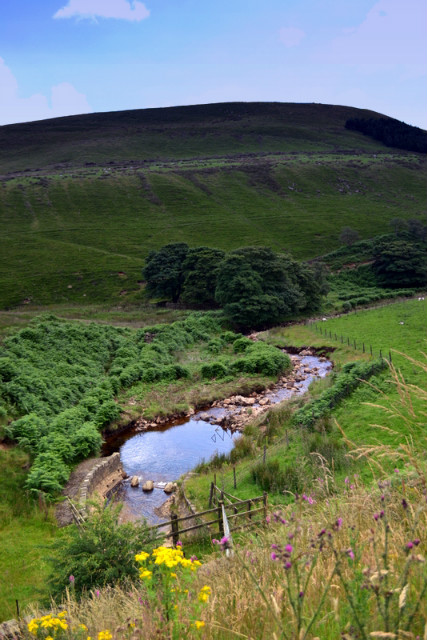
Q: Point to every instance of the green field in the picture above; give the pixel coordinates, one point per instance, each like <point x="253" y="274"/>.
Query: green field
<point x="84" y="199"/>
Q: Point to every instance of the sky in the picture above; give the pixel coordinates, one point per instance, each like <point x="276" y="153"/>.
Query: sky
<point x="65" y="57"/>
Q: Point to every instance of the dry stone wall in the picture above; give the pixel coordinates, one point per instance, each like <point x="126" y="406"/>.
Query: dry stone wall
<point x="96" y="477"/>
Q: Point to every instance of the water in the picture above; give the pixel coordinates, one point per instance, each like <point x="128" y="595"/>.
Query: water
<point x="164" y="454"/>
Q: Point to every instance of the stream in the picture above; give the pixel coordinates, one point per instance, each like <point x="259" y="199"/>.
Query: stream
<point x="167" y="452"/>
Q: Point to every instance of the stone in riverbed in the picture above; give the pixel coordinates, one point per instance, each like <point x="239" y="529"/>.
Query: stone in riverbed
<point x="148" y="485"/>
<point x="170" y="487"/>
<point x="134" y="482"/>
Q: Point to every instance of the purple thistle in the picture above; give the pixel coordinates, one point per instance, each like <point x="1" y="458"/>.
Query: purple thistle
<point x="338" y="523"/>
<point x="416" y="542"/>
<point x="288" y="565"/>
<point x="404" y="503"/>
<point x="71" y="579"/>
<point x="289" y="548"/>
<point x="350" y="553"/>
<point x="409" y="545"/>
<point x="273" y="556"/>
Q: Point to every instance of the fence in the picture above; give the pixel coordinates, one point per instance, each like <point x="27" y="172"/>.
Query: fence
<point x="351" y="342"/>
<point x="244" y="513"/>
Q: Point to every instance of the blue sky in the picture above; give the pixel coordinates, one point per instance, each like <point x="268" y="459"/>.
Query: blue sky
<point x="62" y="57"/>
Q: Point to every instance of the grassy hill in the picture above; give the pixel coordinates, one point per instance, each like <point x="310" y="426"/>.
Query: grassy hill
<point x="83" y="199"/>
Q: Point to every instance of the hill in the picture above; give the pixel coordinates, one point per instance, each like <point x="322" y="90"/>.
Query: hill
<point x="83" y="199"/>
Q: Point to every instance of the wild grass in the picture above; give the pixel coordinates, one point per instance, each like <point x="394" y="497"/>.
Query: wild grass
<point x="350" y="565"/>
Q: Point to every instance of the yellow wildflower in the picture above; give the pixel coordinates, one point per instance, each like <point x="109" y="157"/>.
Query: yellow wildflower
<point x="63" y="614"/>
<point x="105" y="635"/>
<point x="173" y="575"/>
<point x="141" y="557"/>
<point x="33" y="626"/>
<point x="145" y="574"/>
<point x="83" y="627"/>
<point x="204" y="593"/>
<point x="48" y="638"/>
<point x="199" y="624"/>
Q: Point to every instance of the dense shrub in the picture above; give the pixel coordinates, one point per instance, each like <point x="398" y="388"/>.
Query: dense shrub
<point x="64" y="376"/>
<point x="214" y="370"/>
<point x="100" y="554"/>
<point x="241" y="344"/>
<point x="345" y="382"/>
<point x="263" y="358"/>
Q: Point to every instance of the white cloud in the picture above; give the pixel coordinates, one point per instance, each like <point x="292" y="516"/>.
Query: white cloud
<point x="92" y="9"/>
<point x="393" y="33"/>
<point x="65" y="100"/>
<point x="291" y="36"/>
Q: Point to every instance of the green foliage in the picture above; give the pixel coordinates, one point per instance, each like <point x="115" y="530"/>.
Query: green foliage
<point x="101" y="553"/>
<point x="400" y="264"/>
<point x="214" y="370"/>
<point x="64" y="376"/>
<point x="269" y="476"/>
<point x="200" y="270"/>
<point x="241" y="344"/>
<point x="262" y="358"/>
<point x="257" y="287"/>
<point x="345" y="382"/>
<point x="163" y="271"/>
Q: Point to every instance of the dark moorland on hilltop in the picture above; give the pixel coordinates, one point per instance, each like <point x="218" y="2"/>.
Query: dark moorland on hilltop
<point x="83" y="199"/>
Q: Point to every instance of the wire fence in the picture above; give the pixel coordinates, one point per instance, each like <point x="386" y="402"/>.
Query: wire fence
<point x="357" y="344"/>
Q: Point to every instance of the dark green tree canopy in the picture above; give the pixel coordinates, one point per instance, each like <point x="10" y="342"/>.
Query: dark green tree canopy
<point x="163" y="271"/>
<point x="258" y="288"/>
<point x="200" y="271"/>
<point x="400" y="264"/>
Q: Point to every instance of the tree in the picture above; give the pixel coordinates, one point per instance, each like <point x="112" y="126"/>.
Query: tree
<point x="163" y="271"/>
<point x="399" y="264"/>
<point x="200" y="269"/>
<point x="349" y="236"/>
<point x="254" y="288"/>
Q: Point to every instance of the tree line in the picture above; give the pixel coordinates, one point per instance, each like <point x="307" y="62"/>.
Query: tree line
<point x="393" y="133"/>
<point x="254" y="286"/>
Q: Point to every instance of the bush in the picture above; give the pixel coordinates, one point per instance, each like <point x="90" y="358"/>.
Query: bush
<point x="86" y="441"/>
<point x="241" y="344"/>
<point x="101" y="553"/>
<point x="48" y="474"/>
<point x="213" y="370"/>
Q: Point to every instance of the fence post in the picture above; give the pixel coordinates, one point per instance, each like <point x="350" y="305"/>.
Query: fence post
<point x="355" y="344"/>
<point x="335" y="335"/>
<point x="175" y="529"/>
<point x="381" y="354"/>
<point x="234" y="477"/>
<point x="221" y="523"/>
<point x="389" y="356"/>
<point x="264" y="500"/>
<point x="363" y="346"/>
<point x="249" y="509"/>
<point x="370" y="346"/>
<point x="348" y="341"/>
<point x="215" y="480"/>
<point x="342" y="340"/>
<point x="264" y="454"/>
<point x="211" y="494"/>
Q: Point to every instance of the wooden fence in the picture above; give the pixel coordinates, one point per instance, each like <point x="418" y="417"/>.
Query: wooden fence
<point x="240" y="514"/>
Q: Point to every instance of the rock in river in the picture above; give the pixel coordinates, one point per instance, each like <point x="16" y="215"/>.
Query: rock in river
<point x="148" y="485"/>
<point x="134" y="482"/>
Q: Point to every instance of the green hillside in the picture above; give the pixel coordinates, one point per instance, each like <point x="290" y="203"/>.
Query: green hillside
<point x="83" y="199"/>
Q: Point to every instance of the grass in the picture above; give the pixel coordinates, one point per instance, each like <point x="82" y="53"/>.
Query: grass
<point x="355" y="416"/>
<point x="25" y="529"/>
<point x="79" y="233"/>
